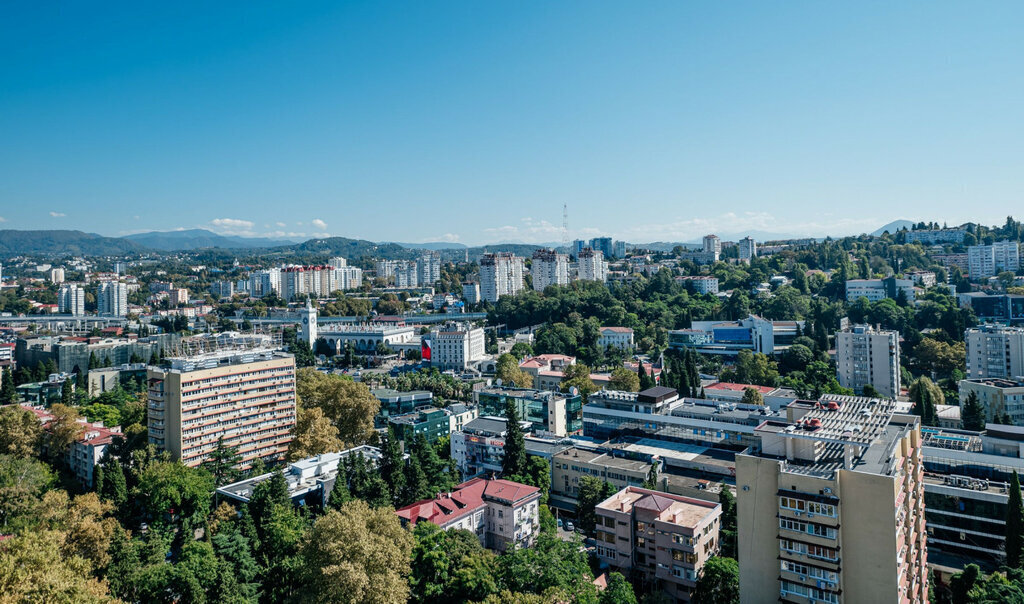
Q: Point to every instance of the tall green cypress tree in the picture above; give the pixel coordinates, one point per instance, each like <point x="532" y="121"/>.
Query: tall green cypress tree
<point x="514" y="463"/>
<point x="1014" y="524"/>
<point x="8" y="393"/>
<point x="392" y="465"/>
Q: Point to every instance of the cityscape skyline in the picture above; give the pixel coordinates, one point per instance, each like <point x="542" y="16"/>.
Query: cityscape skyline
<point x="270" y="122"/>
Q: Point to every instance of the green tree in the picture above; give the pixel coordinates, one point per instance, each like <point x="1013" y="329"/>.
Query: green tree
<point x="719" y="582"/>
<point x="114" y="487"/>
<point x="752" y="396"/>
<point x="171" y="491"/>
<point x="348" y="404"/>
<point x="314" y="434"/>
<point x="624" y="380"/>
<point x="20" y="431"/>
<point x="577" y="376"/>
<point x="99" y="412"/>
<point x="514" y="462"/>
<point x="972" y="415"/>
<point x="8" y="393"/>
<point x="222" y="463"/>
<point x="392" y="465"/>
<point x="508" y="371"/>
<point x="645" y="380"/>
<point x="728" y="522"/>
<point x="619" y="591"/>
<point x="22" y="484"/>
<point x="1014" y="524"/>
<point x="66" y="392"/>
<point x="592" y="491"/>
<point x="651" y="482"/>
<point x="551" y="564"/>
<point x="450" y="566"/>
<point x="356" y="554"/>
<point x="416" y="486"/>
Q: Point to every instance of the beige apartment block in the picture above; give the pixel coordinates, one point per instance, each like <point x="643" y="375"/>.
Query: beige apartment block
<point x="665" y="538"/>
<point x="832" y="509"/>
<point x="246" y="397"/>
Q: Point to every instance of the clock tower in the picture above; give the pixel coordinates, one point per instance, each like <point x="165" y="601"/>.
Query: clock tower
<point x="307" y="317"/>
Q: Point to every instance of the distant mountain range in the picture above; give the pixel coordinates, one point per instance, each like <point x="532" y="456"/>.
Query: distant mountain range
<point x="59" y="243"/>
<point x="77" y="243"/>
<point x="195" y="239"/>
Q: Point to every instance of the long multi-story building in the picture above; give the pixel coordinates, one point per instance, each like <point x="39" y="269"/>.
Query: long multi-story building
<point x="549" y="268"/>
<point x="832" y="508"/>
<point x="591" y="266"/>
<point x="112" y="299"/>
<point x="501" y="274"/>
<point x="867" y="356"/>
<point x="747" y="249"/>
<point x="727" y="338"/>
<point x="318" y="281"/>
<point x="557" y="413"/>
<point x="71" y="300"/>
<point x="935" y="236"/>
<point x="1000" y="397"/>
<point x="407" y="274"/>
<point x="702" y="284"/>
<point x="995" y="351"/>
<point x="504" y="515"/>
<point x="365" y="339"/>
<point x="985" y="261"/>
<point x="245" y="397"/>
<point x="457" y="346"/>
<point x="878" y="289"/>
<point x="665" y="539"/>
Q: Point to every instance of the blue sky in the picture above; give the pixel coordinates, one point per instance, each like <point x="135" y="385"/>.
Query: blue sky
<point x="475" y="121"/>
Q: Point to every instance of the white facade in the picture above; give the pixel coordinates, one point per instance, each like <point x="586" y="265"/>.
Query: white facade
<point x="406" y="274"/>
<point x="865" y="356"/>
<point x="985" y="261"/>
<point x="501" y="274"/>
<point x="616" y="337"/>
<point x="56" y="275"/>
<point x="591" y="266"/>
<point x="936" y="236"/>
<point x="264" y="283"/>
<point x="337" y="262"/>
<point x="112" y="299"/>
<point x="702" y="284"/>
<point x="457" y="347"/>
<point x="549" y="268"/>
<point x="308" y="327"/>
<point x="876" y="289"/>
<point x="429" y="268"/>
<point x="747" y="249"/>
<point x="713" y="247"/>
<point x="71" y="300"/>
<point x="471" y="292"/>
<point x="995" y="351"/>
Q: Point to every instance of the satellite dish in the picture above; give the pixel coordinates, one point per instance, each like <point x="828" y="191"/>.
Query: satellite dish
<point x="574" y="391"/>
<point x="498" y="381"/>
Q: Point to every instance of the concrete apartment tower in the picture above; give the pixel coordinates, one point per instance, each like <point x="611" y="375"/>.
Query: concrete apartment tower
<point x="867" y="356"/>
<point x="832" y="508"/>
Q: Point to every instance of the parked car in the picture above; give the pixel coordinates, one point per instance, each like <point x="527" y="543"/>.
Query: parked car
<point x="569" y="527"/>
<point x="560" y="525"/>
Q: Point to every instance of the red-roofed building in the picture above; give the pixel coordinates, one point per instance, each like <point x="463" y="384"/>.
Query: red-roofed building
<point x="85" y="453"/>
<point x="503" y="514"/>
<point x="650" y="369"/>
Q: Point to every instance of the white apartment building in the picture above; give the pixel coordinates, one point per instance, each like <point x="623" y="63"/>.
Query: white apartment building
<point x="878" y="289"/>
<point x="222" y="289"/>
<point x="549" y="268"/>
<point x="56" y="275"/>
<point x="71" y="300"/>
<point x="501" y="274"/>
<point x="994" y="351"/>
<point x="318" y="281"/>
<point x="936" y="236"/>
<point x="457" y="346"/>
<point x="984" y="261"/>
<point x="471" y="292"/>
<point x="865" y="356"/>
<point x="337" y="262"/>
<point x="592" y="266"/>
<point x="748" y="249"/>
<point x="112" y="299"/>
<point x="429" y="268"/>
<point x="266" y="282"/>
<point x="616" y="337"/>
<point x="406" y="274"/>
<point x="386" y="269"/>
<point x="713" y="247"/>
<point x="702" y="284"/>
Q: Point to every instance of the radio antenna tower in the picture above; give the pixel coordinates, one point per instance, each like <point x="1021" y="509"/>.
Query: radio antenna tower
<point x="565" y="226"/>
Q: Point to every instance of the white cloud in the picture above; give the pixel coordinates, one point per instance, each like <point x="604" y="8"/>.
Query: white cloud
<point x="320" y="224"/>
<point x="447" y="237"/>
<point x="57" y="214"/>
<point x="2" y="219"/>
<point x="233" y="226"/>
<point x="280" y="224"/>
<point x="736" y="224"/>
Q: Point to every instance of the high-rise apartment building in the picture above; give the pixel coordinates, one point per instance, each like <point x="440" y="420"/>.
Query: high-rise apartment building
<point x="56" y="275"/>
<point x="995" y="351"/>
<point x="549" y="268"/>
<point x="112" y="299"/>
<point x="832" y="507"/>
<point x="866" y="356"/>
<point x="712" y="247"/>
<point x="245" y="397"/>
<point x="71" y="300"/>
<point x="664" y="538"/>
<point x="429" y="268"/>
<point x="407" y="274"/>
<point x="471" y="292"/>
<point x="619" y="249"/>
<point x="603" y="245"/>
<point x="984" y="261"/>
<point x="501" y="274"/>
<point x="747" y="249"/>
<point x="591" y="266"/>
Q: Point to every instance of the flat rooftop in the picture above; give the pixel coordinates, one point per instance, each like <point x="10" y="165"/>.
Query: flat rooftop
<point x="683" y="511"/>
